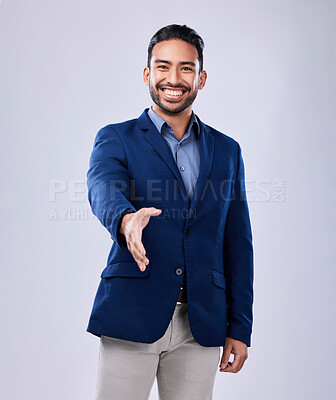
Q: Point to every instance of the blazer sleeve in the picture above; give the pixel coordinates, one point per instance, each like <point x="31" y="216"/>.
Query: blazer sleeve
<point x="238" y="261"/>
<point x="108" y="183"/>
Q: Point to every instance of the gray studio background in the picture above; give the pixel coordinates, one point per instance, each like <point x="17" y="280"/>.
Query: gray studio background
<point x="70" y="67"/>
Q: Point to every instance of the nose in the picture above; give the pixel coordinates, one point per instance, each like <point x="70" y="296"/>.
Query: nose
<point x="173" y="76"/>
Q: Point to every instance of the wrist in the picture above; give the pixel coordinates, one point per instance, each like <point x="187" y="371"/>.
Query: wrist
<point x="124" y="221"/>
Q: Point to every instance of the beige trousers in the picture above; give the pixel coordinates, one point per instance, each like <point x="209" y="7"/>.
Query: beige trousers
<point x="184" y="369"/>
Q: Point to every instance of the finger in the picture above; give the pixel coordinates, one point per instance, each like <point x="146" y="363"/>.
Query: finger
<point x="139" y="259"/>
<point x="226" y="356"/>
<point x="228" y="368"/>
<point x="137" y="254"/>
<point x="236" y="365"/>
<point x="140" y="251"/>
<point x="137" y="243"/>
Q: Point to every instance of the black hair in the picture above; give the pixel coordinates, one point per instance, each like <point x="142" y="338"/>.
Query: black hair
<point x="182" y="32"/>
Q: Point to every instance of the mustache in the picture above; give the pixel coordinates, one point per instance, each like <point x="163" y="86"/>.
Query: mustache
<point x="173" y="87"/>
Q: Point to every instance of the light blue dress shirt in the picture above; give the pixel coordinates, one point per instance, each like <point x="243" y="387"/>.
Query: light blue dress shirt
<point x="185" y="151"/>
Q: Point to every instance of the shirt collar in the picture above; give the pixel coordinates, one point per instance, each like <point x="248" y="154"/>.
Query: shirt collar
<point x="159" y="121"/>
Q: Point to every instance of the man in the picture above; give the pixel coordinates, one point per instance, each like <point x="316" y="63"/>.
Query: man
<point x="178" y="283"/>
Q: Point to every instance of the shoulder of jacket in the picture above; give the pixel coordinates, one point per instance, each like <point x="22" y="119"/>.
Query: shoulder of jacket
<point x="223" y="137"/>
<point x="120" y="126"/>
<point x="117" y="128"/>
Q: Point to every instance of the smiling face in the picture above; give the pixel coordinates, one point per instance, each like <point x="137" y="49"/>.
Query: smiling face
<point x="174" y="77"/>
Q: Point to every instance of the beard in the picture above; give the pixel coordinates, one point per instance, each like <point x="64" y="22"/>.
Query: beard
<point x="171" y="110"/>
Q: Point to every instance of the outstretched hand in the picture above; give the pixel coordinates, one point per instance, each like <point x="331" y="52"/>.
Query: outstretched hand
<point x="239" y="349"/>
<point x="131" y="227"/>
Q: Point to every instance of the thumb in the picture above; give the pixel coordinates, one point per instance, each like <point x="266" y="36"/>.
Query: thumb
<point x="146" y="213"/>
<point x="152" y="211"/>
<point x="226" y="356"/>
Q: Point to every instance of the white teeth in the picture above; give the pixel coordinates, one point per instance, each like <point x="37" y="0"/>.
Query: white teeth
<point x="173" y="92"/>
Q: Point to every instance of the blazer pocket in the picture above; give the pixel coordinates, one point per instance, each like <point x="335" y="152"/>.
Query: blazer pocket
<point x="219" y="279"/>
<point x="125" y="269"/>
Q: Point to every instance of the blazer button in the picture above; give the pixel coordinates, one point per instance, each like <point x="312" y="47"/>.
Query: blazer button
<point x="187" y="232"/>
<point x="178" y="271"/>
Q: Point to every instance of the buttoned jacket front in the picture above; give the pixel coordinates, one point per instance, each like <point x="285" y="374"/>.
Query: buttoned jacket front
<point x="209" y="238"/>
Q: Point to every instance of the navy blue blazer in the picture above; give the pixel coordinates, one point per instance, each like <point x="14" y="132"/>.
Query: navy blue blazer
<point x="209" y="238"/>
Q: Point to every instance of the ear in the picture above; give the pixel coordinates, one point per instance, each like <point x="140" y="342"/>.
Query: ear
<point x="202" y="79"/>
<point x="146" y="75"/>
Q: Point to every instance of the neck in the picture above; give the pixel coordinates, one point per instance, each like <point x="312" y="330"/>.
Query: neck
<point x="179" y="122"/>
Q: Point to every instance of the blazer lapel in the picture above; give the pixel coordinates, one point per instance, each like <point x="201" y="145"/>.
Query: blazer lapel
<point x="206" y="146"/>
<point x="154" y="137"/>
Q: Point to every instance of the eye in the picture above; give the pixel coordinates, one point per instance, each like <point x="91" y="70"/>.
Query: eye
<point x="187" y="68"/>
<point x="162" y="66"/>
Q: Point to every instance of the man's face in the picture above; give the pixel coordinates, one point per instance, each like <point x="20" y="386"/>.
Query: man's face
<point x="173" y="77"/>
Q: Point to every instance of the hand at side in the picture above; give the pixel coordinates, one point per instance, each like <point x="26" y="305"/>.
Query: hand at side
<point x="239" y="349"/>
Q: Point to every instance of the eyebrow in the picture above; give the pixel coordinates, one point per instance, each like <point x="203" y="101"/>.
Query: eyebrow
<point x="158" y="61"/>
